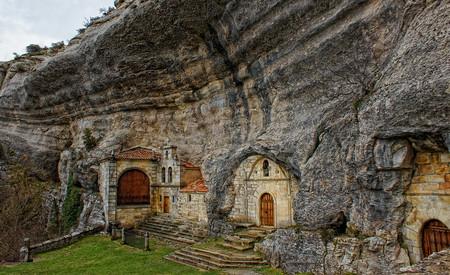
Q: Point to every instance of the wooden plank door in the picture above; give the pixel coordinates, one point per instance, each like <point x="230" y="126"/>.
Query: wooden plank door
<point x="134" y="188"/>
<point x="435" y="237"/>
<point x="166" y="204"/>
<point x="267" y="216"/>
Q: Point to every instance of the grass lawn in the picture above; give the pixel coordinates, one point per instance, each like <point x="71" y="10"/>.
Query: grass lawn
<point x="99" y="255"/>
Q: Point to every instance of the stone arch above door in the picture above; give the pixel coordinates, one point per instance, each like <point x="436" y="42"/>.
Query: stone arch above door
<point x="252" y="180"/>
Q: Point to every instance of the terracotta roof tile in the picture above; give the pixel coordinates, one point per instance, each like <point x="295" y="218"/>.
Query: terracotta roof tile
<point x="138" y="153"/>
<point x="187" y="164"/>
<point x="196" y="186"/>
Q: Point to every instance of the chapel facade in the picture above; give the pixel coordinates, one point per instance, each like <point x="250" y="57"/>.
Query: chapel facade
<point x="264" y="193"/>
<point x="141" y="182"/>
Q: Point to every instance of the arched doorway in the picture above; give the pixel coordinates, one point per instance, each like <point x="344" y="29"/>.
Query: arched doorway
<point x="134" y="188"/>
<point x="267" y="210"/>
<point x="435" y="237"/>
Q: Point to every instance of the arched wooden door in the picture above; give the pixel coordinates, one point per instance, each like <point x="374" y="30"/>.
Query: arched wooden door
<point x="267" y="210"/>
<point x="134" y="188"/>
<point x="435" y="237"/>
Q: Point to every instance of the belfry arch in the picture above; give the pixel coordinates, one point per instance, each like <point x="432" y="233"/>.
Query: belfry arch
<point x="264" y="193"/>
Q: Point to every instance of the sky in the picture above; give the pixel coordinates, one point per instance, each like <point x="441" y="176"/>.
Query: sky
<point x="43" y="22"/>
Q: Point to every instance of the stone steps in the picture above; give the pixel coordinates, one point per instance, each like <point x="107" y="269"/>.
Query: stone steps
<point x="175" y="232"/>
<point x="208" y="259"/>
<point x="166" y="236"/>
<point x="172" y="229"/>
<point x="236" y="246"/>
<point x="245" y="240"/>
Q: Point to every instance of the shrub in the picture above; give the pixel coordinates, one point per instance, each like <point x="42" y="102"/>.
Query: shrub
<point x="105" y="11"/>
<point x="21" y="68"/>
<point x="72" y="205"/>
<point x="33" y="48"/>
<point x="54" y="228"/>
<point x="88" y="140"/>
<point x="20" y="210"/>
<point x="56" y="47"/>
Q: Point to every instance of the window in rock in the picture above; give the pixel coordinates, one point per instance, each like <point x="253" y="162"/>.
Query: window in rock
<point x="266" y="168"/>
<point x="170" y="174"/>
<point x="163" y="175"/>
<point x="189" y="198"/>
<point x="167" y="154"/>
<point x="134" y="188"/>
<point x="435" y="237"/>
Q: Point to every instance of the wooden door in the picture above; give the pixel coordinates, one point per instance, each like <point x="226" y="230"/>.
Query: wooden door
<point x="166" y="204"/>
<point x="267" y="210"/>
<point x="435" y="237"/>
<point x="134" y="188"/>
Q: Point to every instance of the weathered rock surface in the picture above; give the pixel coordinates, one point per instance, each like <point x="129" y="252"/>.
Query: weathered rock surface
<point x="436" y="263"/>
<point x="304" y="251"/>
<point x="316" y="86"/>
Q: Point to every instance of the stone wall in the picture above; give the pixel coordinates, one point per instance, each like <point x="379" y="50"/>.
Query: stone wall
<point x="130" y="215"/>
<point x="250" y="184"/>
<point x="193" y="209"/>
<point x="110" y="172"/>
<point x="428" y="197"/>
<point x="56" y="243"/>
<point x="189" y="175"/>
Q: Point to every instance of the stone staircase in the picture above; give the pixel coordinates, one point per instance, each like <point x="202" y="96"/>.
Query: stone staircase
<point x="173" y="229"/>
<point x="207" y="259"/>
<point x="245" y="240"/>
<point x="221" y="256"/>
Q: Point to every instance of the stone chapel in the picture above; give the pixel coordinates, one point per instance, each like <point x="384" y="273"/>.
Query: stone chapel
<point x="140" y="182"/>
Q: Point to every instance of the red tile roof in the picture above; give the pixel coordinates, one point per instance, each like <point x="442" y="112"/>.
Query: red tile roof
<point x="138" y="153"/>
<point x="187" y="164"/>
<point x="196" y="186"/>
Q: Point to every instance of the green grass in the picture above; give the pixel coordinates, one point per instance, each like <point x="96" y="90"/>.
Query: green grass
<point x="99" y="255"/>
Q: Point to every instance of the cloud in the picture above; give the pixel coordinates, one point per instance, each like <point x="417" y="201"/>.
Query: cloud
<point x="24" y="22"/>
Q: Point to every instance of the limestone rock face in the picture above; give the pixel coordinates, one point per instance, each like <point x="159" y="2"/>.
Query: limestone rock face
<point x="305" y="251"/>
<point x="316" y="86"/>
<point x="436" y="263"/>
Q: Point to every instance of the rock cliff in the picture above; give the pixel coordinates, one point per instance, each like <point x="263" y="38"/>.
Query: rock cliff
<point x="340" y="93"/>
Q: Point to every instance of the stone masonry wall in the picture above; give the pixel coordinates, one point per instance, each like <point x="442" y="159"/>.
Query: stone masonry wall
<point x="249" y="185"/>
<point x="130" y="215"/>
<point x="56" y="243"/>
<point x="428" y="198"/>
<point x="195" y="209"/>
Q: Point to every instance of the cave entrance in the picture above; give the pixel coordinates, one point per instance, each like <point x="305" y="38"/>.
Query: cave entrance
<point x="264" y="193"/>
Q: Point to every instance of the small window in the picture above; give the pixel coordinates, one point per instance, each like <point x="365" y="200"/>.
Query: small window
<point x="189" y="198"/>
<point x="160" y="198"/>
<point x="170" y="174"/>
<point x="167" y="154"/>
<point x="173" y="198"/>
<point x="163" y="175"/>
<point x="266" y="168"/>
